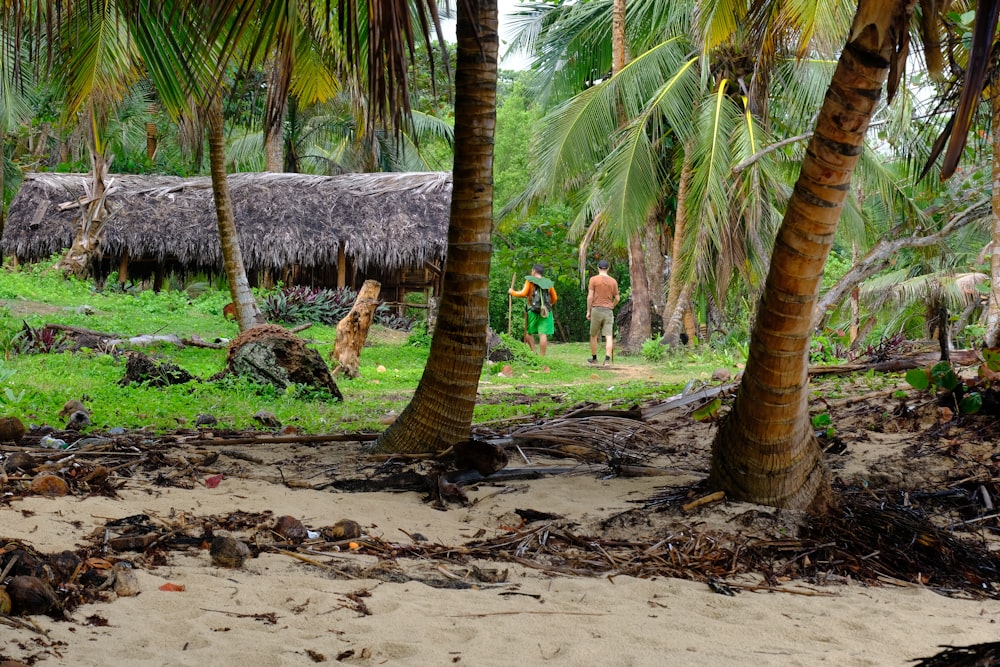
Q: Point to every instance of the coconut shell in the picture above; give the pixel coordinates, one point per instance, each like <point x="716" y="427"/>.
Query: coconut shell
<point x="228" y="552"/>
<point x="49" y="485"/>
<point x="64" y="565"/>
<point x="31" y="595"/>
<point x="345" y="529"/>
<point x="25" y="563"/>
<point x="291" y="529"/>
<point x="20" y="462"/>
<point x="12" y="429"/>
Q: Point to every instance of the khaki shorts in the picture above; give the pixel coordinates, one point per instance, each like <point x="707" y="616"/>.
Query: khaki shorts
<point x="602" y="321"/>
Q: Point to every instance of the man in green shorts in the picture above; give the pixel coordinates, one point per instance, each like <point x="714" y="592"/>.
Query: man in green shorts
<point x="602" y="297"/>
<point x="541" y="296"/>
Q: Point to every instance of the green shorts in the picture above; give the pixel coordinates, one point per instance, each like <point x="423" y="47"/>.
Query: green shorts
<point x="540" y="325"/>
<point x="602" y="321"/>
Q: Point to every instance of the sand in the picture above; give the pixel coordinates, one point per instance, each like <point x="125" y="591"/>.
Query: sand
<point x="278" y="610"/>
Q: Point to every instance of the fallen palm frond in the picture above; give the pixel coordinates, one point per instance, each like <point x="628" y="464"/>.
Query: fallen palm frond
<point x="616" y="441"/>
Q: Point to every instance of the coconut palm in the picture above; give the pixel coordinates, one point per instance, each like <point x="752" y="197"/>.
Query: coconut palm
<point x="440" y="413"/>
<point x="765" y="450"/>
<point x="689" y="123"/>
<point x="14" y="111"/>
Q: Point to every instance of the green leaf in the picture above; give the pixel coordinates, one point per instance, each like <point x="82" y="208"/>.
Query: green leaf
<point x="971" y="403"/>
<point x="918" y="378"/>
<point x="708" y="411"/>
<point x="822" y="420"/>
<point x="991" y="356"/>
<point x="942" y="375"/>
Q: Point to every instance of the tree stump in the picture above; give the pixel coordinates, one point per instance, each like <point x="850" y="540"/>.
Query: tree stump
<point x="269" y="354"/>
<point x="353" y="330"/>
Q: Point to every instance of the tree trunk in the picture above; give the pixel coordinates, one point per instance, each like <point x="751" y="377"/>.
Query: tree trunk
<point x="993" y="310"/>
<point x="277" y="102"/>
<point x="765" y="450"/>
<point x="655" y="264"/>
<point x="86" y="243"/>
<point x="440" y="413"/>
<point x="639" y="329"/>
<point x="247" y="314"/>
<point x="353" y="330"/>
<point x="678" y="293"/>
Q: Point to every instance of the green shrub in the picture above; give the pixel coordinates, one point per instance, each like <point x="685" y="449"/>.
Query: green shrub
<point x="653" y="349"/>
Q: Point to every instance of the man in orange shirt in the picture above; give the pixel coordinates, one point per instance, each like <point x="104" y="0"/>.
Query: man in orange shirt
<point x="541" y="320"/>
<point x="602" y="297"/>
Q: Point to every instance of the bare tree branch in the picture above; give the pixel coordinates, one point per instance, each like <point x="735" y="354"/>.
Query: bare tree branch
<point x="878" y="258"/>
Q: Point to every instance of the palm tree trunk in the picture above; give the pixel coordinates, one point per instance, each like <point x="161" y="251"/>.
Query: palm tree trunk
<point x="276" y="104"/>
<point x="639" y="328"/>
<point x="440" y="413"/>
<point x="655" y="263"/>
<point x="247" y="314"/>
<point x="86" y="243"/>
<point x="993" y="310"/>
<point x="765" y="450"/>
<point x="678" y="292"/>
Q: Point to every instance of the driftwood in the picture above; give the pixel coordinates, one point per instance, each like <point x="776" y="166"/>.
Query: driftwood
<point x="920" y="360"/>
<point x="353" y="330"/>
<point x="113" y="339"/>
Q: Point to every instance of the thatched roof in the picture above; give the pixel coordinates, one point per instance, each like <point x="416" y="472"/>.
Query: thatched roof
<point x="386" y="220"/>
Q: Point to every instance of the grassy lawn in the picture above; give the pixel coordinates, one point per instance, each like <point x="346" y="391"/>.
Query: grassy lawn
<point x="34" y="386"/>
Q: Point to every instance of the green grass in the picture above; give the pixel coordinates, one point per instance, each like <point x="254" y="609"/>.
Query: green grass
<point x="34" y="387"/>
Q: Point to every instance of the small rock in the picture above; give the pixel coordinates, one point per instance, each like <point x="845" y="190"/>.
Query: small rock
<point x="71" y="406"/>
<point x="85" y="310"/>
<point x="126" y="580"/>
<point x="721" y="375"/>
<point x="78" y="420"/>
<point x="380" y="369"/>
<point x="205" y="420"/>
<point x="268" y="419"/>
<point x="228" y="552"/>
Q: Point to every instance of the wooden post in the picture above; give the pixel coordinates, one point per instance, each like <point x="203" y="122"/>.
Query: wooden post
<point x="510" y="308"/>
<point x="123" y="269"/>
<point x="353" y="330"/>
<point x="341" y="265"/>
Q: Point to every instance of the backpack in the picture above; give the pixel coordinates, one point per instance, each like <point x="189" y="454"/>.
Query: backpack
<point x="541" y="301"/>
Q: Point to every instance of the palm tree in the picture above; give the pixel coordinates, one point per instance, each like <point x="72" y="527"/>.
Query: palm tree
<point x="440" y="413"/>
<point x="690" y="121"/>
<point x="765" y="450"/>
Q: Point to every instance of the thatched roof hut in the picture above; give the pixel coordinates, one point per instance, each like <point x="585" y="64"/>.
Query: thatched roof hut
<point x="354" y="225"/>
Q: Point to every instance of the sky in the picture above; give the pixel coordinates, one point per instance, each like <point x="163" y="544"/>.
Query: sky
<point x="504" y="8"/>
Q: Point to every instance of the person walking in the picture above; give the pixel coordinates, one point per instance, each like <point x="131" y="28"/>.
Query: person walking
<point x="541" y="296"/>
<point x="602" y="297"/>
